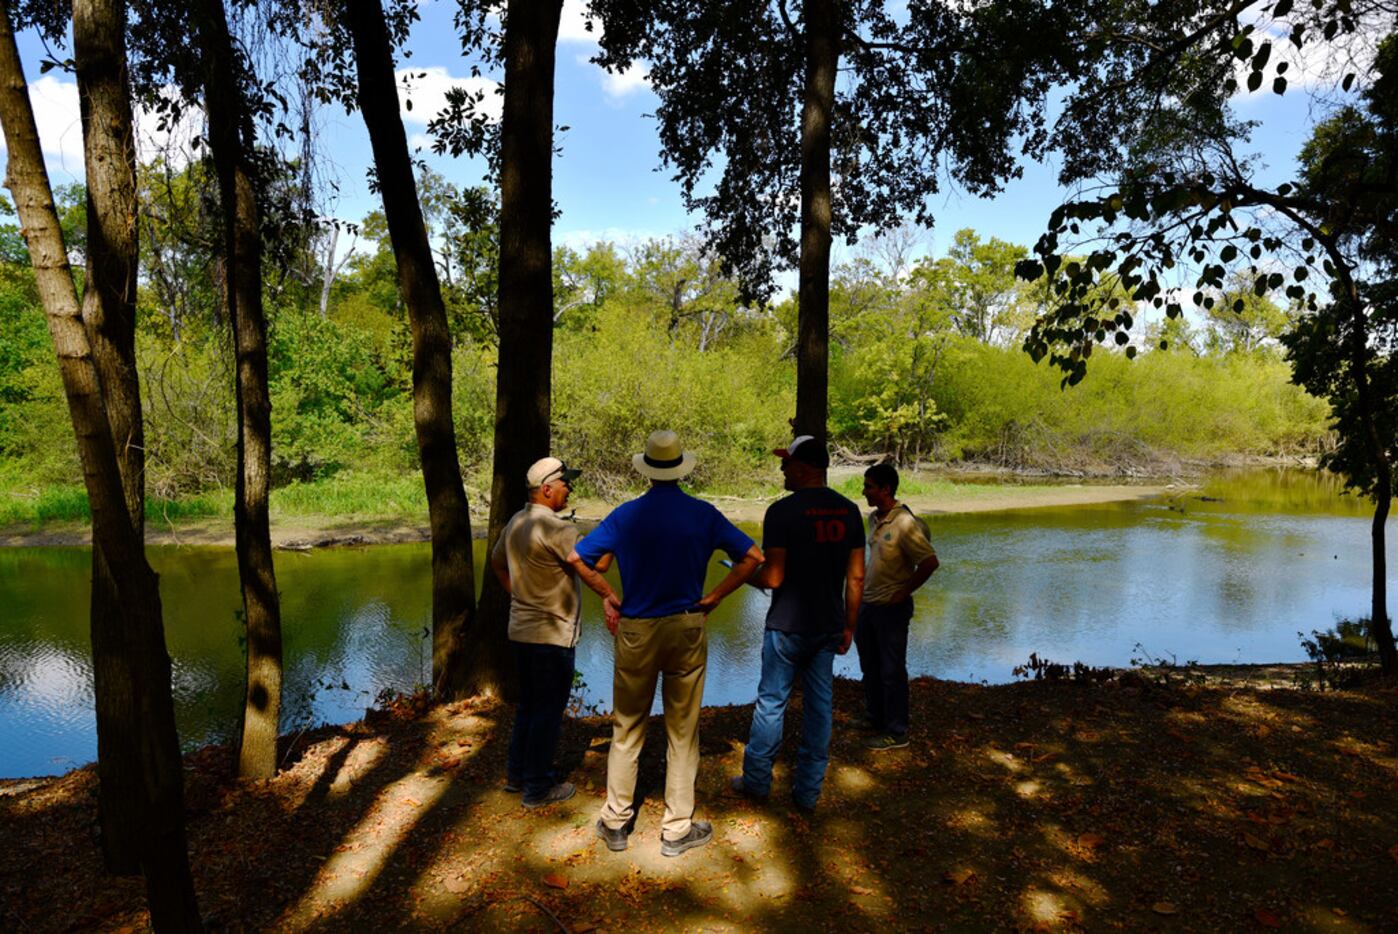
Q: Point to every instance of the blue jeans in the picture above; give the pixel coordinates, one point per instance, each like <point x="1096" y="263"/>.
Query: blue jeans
<point x="786" y="655"/>
<point x="545" y="681"/>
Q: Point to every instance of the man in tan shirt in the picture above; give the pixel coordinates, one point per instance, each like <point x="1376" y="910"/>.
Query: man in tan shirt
<point x="531" y="560"/>
<point x="900" y="561"/>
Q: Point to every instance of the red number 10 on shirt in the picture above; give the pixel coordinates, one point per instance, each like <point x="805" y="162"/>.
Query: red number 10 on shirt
<point x="830" y="530"/>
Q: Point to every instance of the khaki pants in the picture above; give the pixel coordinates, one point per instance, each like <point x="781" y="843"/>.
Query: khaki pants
<point x="677" y="647"/>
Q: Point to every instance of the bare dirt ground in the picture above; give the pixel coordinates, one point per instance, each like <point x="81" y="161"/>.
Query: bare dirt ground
<point x="303" y="532"/>
<point x="1037" y="806"/>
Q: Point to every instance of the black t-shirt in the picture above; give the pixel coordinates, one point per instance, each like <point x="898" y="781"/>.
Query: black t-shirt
<point x="818" y="528"/>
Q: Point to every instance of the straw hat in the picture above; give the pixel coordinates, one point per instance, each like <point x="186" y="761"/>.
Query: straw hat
<point x="663" y="459"/>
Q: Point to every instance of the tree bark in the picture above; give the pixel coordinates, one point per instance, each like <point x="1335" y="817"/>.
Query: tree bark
<point x="813" y="300"/>
<point x="230" y="137"/>
<point x="109" y="315"/>
<point x="524" y="379"/>
<point x="453" y="586"/>
<point x="162" y="852"/>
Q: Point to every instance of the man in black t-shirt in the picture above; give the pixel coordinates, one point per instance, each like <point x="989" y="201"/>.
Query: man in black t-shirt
<point x="814" y="546"/>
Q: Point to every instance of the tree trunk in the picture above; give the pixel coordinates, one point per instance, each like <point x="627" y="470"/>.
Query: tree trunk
<point x="453" y="586"/>
<point x="813" y="301"/>
<point x="1380" y="625"/>
<point x="230" y="136"/>
<point x="524" y="378"/>
<point x="109" y="315"/>
<point x="329" y="277"/>
<point x="162" y="852"/>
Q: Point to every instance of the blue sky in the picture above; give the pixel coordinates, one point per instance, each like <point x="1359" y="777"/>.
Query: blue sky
<point x="606" y="180"/>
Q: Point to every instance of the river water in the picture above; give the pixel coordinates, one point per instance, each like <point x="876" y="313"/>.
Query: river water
<point x="1226" y="573"/>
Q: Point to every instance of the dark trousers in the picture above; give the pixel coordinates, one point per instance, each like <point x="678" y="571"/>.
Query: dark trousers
<point x="881" y="637"/>
<point x="545" y="681"/>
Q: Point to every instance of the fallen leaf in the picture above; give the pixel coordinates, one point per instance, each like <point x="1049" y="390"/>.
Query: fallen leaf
<point x="1090" y="841"/>
<point x="584" y="927"/>
<point x="1358" y="795"/>
<point x="1393" y="851"/>
<point x="554" y="881"/>
<point x="1328" y="844"/>
<point x="1164" y="908"/>
<point x="412" y="802"/>
<point x="960" y="876"/>
<point x="1286" y="776"/>
<point x="1339" y="912"/>
<point x="860" y="890"/>
<point x="1265" y="918"/>
<point x="1257" y="843"/>
<point x="1046" y="757"/>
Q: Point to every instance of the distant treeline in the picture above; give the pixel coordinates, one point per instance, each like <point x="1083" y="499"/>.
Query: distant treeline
<point x="925" y="359"/>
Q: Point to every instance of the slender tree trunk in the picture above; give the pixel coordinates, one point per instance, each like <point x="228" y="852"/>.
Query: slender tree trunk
<point x="453" y="587"/>
<point x="329" y="277"/>
<point x="109" y="314"/>
<point x="230" y="135"/>
<point x="813" y="301"/>
<point x="1381" y="626"/>
<point x="161" y="845"/>
<point x="524" y="378"/>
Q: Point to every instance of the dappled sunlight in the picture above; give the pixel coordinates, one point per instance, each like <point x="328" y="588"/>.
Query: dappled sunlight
<point x="973" y="821"/>
<point x="1332" y="918"/>
<point x="851" y="779"/>
<point x="1050" y="909"/>
<point x="357" y="862"/>
<point x="1031" y="788"/>
<point x="1005" y="760"/>
<point x="1087" y="889"/>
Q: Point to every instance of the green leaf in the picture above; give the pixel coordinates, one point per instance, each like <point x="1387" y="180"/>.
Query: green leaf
<point x="1348" y="82"/>
<point x="1279" y="85"/>
<point x="1281" y="8"/>
<point x="1228" y="253"/>
<point x="1264" y="52"/>
<point x="1130" y="353"/>
<point x="1254" y="81"/>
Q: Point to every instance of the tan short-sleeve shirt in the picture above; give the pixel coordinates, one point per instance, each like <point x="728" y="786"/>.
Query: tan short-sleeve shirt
<point x="546" y="603"/>
<point x="898" y="543"/>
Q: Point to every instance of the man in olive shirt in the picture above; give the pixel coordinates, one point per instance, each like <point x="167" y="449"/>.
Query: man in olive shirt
<point x="531" y="560"/>
<point x="900" y="561"/>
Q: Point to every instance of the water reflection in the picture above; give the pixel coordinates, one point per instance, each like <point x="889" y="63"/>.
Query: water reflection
<point x="1229" y="577"/>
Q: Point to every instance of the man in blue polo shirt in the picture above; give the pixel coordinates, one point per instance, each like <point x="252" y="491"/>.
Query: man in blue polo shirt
<point x="663" y="543"/>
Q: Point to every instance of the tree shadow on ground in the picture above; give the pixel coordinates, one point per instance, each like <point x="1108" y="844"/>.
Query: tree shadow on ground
<point x="1053" y="806"/>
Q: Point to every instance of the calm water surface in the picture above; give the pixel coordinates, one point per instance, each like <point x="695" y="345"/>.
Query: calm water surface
<point x="1227" y="573"/>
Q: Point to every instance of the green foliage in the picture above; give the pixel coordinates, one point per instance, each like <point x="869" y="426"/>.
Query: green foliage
<point x="613" y="387"/>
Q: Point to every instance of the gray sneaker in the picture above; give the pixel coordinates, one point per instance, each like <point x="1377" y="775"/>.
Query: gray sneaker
<point x="700" y="833"/>
<point x="886" y="741"/>
<point x="560" y="792"/>
<point x="616" y="839"/>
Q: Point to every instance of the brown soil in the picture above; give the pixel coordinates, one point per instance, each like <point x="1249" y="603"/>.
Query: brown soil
<point x="305" y="532"/>
<point x="1031" y="806"/>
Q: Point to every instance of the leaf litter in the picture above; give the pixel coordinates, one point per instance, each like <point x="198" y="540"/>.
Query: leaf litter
<point x="1119" y="807"/>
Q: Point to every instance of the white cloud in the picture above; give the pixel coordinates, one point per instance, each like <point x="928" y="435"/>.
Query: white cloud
<point x="572" y="25"/>
<point x="623" y="238"/>
<point x="55" y="103"/>
<point x="427" y="88"/>
<point x="619" y="85"/>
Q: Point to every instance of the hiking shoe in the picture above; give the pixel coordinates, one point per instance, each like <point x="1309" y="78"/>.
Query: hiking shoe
<point x="560" y="792"/>
<point x="616" y="839"/>
<point x="737" y="785"/>
<point x="513" y="787"/>
<point x="886" y="741"/>
<point x="700" y="833"/>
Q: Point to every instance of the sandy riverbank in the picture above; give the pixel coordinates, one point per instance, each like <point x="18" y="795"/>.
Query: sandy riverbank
<point x="301" y="532"/>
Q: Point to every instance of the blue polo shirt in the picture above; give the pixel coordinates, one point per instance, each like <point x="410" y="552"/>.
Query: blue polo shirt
<point x="663" y="542"/>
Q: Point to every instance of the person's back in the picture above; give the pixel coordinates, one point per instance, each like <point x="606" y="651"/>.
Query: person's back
<point x="663" y="542"/>
<point x="814" y="545"/>
<point x="818" y="528"/>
